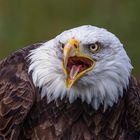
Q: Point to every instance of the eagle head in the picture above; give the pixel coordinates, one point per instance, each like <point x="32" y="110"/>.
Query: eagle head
<point x="86" y="62"/>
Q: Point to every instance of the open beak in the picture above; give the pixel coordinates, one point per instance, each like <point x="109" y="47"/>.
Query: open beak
<point x="74" y="63"/>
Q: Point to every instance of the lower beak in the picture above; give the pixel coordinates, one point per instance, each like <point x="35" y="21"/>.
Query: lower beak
<point x="74" y="64"/>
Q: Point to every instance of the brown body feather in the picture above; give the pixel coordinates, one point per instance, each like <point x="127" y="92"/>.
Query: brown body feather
<point x="25" y="116"/>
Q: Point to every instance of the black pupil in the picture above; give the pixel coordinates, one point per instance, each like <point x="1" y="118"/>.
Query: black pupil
<point x="93" y="46"/>
<point x="62" y="46"/>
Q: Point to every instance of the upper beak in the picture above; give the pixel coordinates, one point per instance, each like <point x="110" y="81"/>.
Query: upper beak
<point x="70" y="49"/>
<point x="75" y="64"/>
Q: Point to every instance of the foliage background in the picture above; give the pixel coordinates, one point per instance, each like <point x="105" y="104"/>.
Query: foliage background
<point x="23" y="22"/>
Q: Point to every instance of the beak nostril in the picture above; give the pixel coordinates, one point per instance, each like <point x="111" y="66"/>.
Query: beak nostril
<point x="75" y="45"/>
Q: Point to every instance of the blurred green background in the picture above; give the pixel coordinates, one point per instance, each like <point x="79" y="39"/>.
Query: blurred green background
<point x="23" y="22"/>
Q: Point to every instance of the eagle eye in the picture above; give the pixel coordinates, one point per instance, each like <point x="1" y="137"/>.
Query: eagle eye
<point x="62" y="46"/>
<point x="94" y="47"/>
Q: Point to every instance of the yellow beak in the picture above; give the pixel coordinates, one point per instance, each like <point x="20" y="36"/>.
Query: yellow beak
<point x="74" y="63"/>
<point x="70" y="49"/>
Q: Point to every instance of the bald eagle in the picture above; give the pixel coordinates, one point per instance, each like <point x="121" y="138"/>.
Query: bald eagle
<point x="77" y="86"/>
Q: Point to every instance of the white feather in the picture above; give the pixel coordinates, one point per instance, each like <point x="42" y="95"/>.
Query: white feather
<point x="104" y="84"/>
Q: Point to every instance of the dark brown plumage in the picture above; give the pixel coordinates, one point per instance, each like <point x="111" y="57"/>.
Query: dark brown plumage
<point x="24" y="116"/>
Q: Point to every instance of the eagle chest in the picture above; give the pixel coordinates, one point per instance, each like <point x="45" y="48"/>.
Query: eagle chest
<point x="77" y="121"/>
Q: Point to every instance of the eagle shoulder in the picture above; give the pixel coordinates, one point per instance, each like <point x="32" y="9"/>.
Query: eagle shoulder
<point x="133" y="104"/>
<point x="17" y="93"/>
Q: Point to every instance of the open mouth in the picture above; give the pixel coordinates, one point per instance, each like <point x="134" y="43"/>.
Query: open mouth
<point x="77" y="66"/>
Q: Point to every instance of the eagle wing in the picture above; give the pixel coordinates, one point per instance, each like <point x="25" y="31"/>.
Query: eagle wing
<point x="16" y="97"/>
<point x="133" y="105"/>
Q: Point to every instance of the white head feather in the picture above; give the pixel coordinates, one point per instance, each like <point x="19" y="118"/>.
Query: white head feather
<point x="104" y="84"/>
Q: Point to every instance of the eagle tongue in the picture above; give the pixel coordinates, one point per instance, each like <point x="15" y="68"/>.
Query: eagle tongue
<point x="74" y="71"/>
